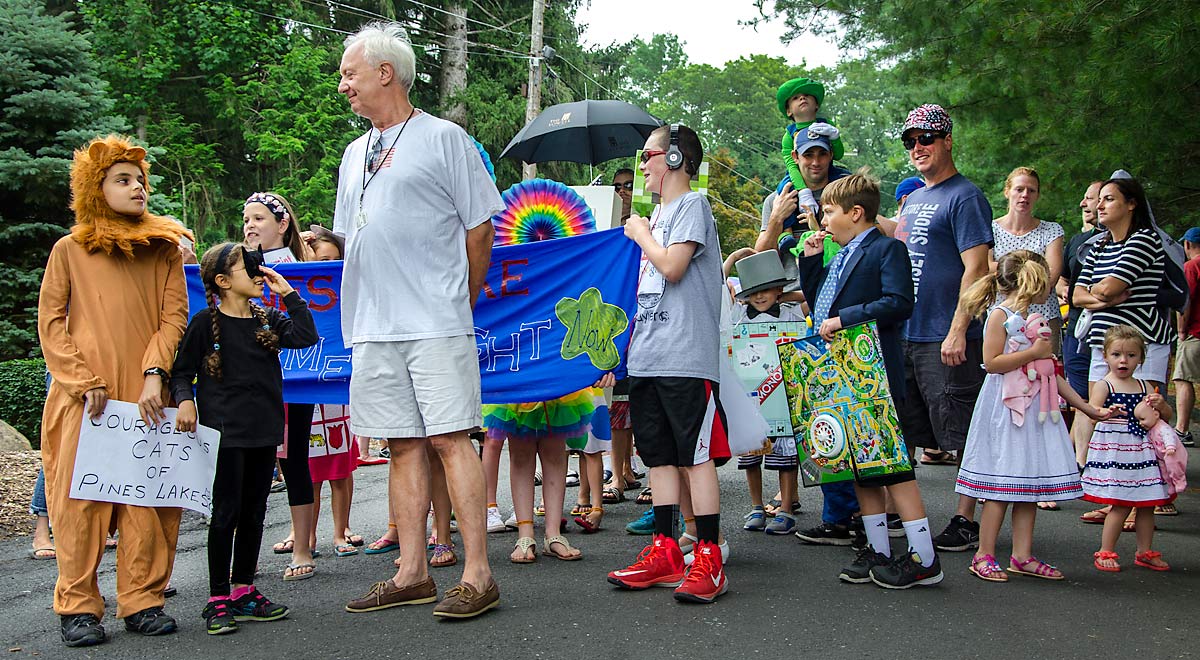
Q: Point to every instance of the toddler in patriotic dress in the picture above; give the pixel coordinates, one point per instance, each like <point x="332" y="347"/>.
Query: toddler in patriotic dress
<point x="1122" y="467"/>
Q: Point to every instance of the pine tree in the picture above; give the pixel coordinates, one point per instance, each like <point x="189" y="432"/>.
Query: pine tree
<point x="51" y="102"/>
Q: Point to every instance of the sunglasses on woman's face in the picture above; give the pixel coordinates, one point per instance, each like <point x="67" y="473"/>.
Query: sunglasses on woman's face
<point x="628" y="185"/>
<point x="651" y="153"/>
<point x="927" y="138"/>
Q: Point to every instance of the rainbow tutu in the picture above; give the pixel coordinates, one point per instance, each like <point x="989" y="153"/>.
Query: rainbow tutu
<point x="568" y="418"/>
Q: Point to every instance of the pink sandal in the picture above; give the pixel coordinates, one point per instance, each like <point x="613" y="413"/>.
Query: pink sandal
<point x="1144" y="560"/>
<point x="1040" y="568"/>
<point x="985" y="567"/>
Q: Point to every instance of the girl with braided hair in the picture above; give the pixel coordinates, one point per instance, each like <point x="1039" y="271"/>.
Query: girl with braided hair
<point x="269" y="225"/>
<point x="231" y="351"/>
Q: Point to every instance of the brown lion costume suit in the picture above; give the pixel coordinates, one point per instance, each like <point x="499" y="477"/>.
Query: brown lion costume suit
<point x="113" y="304"/>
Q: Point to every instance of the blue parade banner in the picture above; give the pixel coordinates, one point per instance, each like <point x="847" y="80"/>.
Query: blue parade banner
<point x="552" y="318"/>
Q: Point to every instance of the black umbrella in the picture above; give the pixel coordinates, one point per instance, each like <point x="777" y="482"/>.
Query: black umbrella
<point x="583" y="132"/>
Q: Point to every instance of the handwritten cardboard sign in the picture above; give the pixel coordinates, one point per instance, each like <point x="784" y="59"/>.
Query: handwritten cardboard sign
<point x="122" y="460"/>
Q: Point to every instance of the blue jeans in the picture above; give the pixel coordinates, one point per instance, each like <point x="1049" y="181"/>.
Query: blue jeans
<point x="37" y="505"/>
<point x="840" y="502"/>
<point x="1075" y="363"/>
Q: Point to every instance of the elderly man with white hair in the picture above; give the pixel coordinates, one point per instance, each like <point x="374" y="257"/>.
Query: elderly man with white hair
<point x="414" y="204"/>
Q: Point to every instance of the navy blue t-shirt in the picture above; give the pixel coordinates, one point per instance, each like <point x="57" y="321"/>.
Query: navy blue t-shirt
<point x="937" y="224"/>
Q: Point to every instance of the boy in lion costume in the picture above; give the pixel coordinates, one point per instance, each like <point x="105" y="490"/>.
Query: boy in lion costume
<point x="112" y="309"/>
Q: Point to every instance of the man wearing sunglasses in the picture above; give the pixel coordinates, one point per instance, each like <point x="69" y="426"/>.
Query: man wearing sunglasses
<point x="623" y="184"/>
<point x="947" y="226"/>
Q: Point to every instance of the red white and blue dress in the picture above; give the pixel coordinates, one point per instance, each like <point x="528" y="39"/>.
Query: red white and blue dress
<point x="1122" y="468"/>
<point x="1033" y="462"/>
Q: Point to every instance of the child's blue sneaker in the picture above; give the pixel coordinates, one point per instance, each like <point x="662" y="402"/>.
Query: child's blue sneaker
<point x="782" y="523"/>
<point x="643" y="526"/>
<point x="756" y="520"/>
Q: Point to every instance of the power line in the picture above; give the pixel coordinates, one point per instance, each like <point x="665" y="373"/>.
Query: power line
<point x="718" y="200"/>
<point x="470" y="20"/>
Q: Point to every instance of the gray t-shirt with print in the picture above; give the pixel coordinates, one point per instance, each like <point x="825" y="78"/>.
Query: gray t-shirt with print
<point x="676" y="331"/>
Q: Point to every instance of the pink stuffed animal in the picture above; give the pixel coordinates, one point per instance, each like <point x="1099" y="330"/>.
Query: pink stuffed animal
<point x="1017" y="390"/>
<point x="1172" y="462"/>
<point x="1042" y="370"/>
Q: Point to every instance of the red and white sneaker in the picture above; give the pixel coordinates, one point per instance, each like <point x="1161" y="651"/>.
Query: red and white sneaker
<point x="659" y="565"/>
<point x="705" y="578"/>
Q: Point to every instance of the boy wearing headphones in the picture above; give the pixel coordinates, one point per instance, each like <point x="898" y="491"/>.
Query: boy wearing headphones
<point x="678" y="424"/>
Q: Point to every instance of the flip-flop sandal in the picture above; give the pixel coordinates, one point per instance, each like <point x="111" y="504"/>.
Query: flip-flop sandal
<point x="345" y="550"/>
<point x="645" y="497"/>
<point x="441" y="550"/>
<point x="170" y="592"/>
<point x="539" y="510"/>
<point x="936" y="458"/>
<point x="549" y="541"/>
<point x="612" y="495"/>
<point x="382" y="546"/>
<point x="633" y="484"/>
<point x="299" y="576"/>
<point x="1095" y="517"/>
<point x="1166" y="510"/>
<point x="580" y="508"/>
<point x="355" y="540"/>
<point x="33" y="554"/>
<point x="1040" y="569"/>
<point x="1143" y="559"/>
<point x="986" y="568"/>
<point x="283" y="547"/>
<point x="524" y="544"/>
<point x="1101" y="555"/>
<point x="1048" y="506"/>
<point x="588" y="526"/>
<point x="110" y="543"/>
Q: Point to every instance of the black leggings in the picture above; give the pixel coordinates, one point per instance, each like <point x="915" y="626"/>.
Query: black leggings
<point x="240" y="490"/>
<point x="295" y="466"/>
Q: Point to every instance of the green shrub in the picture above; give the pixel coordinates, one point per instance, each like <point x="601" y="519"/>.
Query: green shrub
<point x="22" y="394"/>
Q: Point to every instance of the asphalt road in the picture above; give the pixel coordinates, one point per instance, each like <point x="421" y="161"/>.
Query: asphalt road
<point x="784" y="598"/>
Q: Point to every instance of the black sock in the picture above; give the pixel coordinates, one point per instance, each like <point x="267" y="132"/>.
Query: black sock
<point x="666" y="519"/>
<point x="708" y="528"/>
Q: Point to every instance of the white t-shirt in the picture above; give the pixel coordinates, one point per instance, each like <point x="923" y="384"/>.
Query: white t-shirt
<point x="405" y="271"/>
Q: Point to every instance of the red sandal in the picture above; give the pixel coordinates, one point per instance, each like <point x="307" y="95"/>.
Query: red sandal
<point x="1104" y="555"/>
<point x="1040" y="568"/>
<point x="1144" y="560"/>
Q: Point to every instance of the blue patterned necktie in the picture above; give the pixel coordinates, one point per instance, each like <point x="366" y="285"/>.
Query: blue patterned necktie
<point x="828" y="289"/>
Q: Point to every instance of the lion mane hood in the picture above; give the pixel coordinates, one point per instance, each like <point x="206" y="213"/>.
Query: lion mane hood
<point x="97" y="226"/>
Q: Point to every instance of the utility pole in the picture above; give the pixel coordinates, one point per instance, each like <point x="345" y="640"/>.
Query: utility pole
<point x="534" y="105"/>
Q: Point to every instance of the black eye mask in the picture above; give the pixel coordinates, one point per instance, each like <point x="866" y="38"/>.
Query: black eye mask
<point x="253" y="261"/>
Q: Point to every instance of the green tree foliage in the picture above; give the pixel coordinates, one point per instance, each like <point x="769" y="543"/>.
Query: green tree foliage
<point x="1074" y="88"/>
<point x="51" y="102"/>
<point x="22" y="393"/>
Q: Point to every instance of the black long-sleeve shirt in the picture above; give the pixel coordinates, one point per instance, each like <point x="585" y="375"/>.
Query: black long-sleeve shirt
<point x="246" y="405"/>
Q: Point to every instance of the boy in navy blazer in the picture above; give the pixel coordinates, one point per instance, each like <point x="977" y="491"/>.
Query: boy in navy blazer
<point x="870" y="279"/>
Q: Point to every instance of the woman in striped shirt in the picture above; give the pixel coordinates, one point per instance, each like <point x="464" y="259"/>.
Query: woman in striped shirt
<point x="1121" y="277"/>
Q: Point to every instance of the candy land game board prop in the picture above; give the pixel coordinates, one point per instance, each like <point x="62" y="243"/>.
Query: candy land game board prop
<point x="756" y="363"/>
<point x="842" y="411"/>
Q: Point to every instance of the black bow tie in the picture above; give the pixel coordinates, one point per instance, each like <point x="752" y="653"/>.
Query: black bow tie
<point x="773" y="310"/>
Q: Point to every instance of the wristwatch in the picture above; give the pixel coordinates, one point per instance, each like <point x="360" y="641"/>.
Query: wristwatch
<point x="155" y="371"/>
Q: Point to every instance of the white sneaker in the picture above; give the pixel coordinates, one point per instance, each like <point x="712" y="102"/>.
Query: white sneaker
<point x="572" y="479"/>
<point x="494" y="522"/>
<point x="511" y="522"/>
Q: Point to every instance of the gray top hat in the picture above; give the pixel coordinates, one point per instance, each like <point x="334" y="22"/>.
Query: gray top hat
<point x="760" y="271"/>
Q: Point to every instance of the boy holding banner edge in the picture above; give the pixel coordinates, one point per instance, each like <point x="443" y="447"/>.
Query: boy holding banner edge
<point x="678" y="424"/>
<point x="870" y="279"/>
